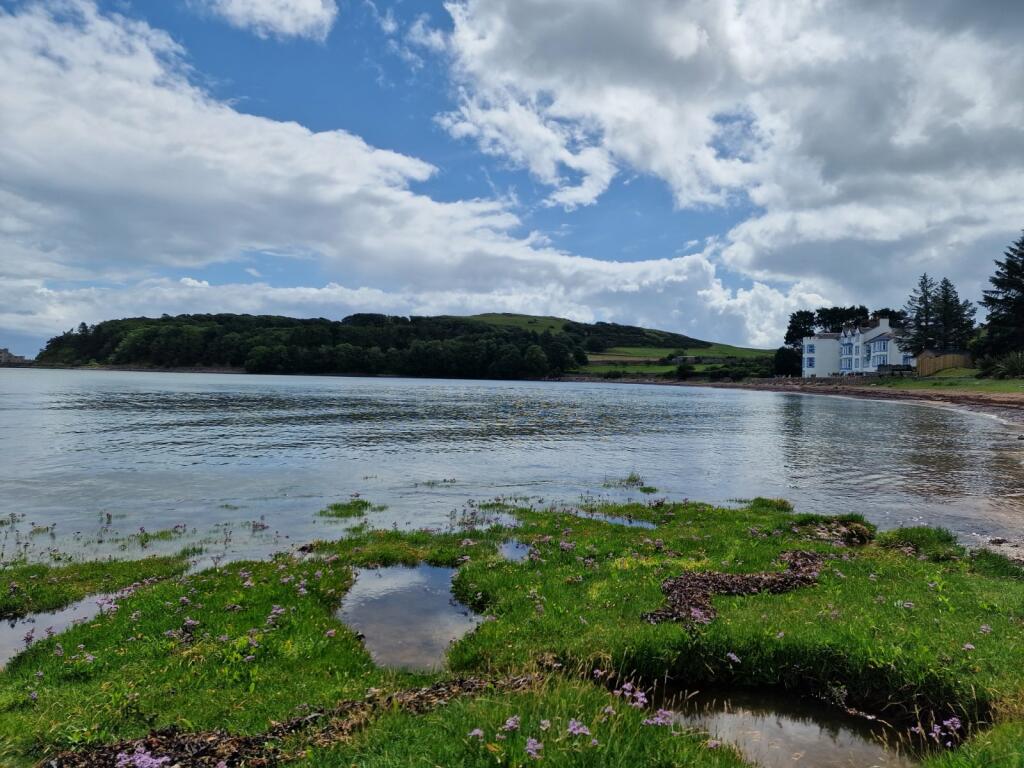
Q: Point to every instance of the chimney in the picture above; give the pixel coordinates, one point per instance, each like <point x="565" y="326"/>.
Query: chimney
<point x="883" y="323"/>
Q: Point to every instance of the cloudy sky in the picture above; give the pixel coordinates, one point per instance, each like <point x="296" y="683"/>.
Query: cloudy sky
<point x="705" y="167"/>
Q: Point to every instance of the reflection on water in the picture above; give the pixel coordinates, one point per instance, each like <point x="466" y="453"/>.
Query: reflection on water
<point x="407" y="616"/>
<point x="158" y="449"/>
<point x="14" y="631"/>
<point x="513" y="550"/>
<point x="775" y="731"/>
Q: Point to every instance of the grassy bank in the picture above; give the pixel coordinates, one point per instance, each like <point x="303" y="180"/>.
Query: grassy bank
<point x="32" y="588"/>
<point x="948" y="382"/>
<point x="909" y="627"/>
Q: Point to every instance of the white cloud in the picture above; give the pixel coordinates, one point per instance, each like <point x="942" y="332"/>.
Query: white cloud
<point x="117" y="167"/>
<point x="875" y="140"/>
<point x="277" y="18"/>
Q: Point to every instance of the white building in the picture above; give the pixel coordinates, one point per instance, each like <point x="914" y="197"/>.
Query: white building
<point x="857" y="350"/>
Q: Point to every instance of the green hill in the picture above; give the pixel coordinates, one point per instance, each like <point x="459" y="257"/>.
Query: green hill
<point x="502" y="346"/>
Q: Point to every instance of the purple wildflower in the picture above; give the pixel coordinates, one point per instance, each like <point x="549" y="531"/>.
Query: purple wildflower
<point x="512" y="724"/>
<point x="594" y="742"/>
<point x="713" y="744"/>
<point x="968" y="646"/>
<point x="985" y="629"/>
<point x="732" y="657"/>
<point x="476" y="733"/>
<point x="140" y="758"/>
<point x="576" y="728"/>
<point x="533" y="748"/>
<point x="661" y="717"/>
<point x="330" y="633"/>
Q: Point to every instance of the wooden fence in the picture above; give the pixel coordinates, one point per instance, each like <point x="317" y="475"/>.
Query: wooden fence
<point x="928" y="363"/>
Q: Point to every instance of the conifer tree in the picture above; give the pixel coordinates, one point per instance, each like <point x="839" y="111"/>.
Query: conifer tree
<point x="1005" y="303"/>
<point x="954" y="319"/>
<point x="921" y="316"/>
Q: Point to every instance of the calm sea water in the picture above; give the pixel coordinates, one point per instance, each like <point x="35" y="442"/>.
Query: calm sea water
<point x="89" y="457"/>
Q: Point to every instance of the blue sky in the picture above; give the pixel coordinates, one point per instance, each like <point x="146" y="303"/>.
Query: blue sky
<point x="706" y="168"/>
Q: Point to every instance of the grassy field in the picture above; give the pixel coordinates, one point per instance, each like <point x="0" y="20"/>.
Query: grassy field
<point x="910" y="627"/>
<point x="715" y="350"/>
<point x="947" y="380"/>
<point x="598" y="369"/>
<point x="538" y="323"/>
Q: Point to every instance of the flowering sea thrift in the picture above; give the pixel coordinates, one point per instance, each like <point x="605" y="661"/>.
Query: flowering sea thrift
<point x="576" y="728"/>
<point x="533" y="748"/>
<point x="661" y="717"/>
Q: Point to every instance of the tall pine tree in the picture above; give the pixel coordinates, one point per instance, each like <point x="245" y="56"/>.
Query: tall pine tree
<point x="1005" y="303"/>
<point x="801" y="324"/>
<point x="921" y="322"/>
<point x="954" y="319"/>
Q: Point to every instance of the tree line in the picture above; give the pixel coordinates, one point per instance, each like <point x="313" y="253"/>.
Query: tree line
<point x="456" y="347"/>
<point x="935" y="319"/>
<point x="359" y="344"/>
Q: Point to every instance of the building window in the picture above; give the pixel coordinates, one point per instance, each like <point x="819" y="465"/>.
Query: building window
<point x="810" y="349"/>
<point x="847" y="349"/>
<point x="883" y="346"/>
<point x="908" y="359"/>
<point x="810" y="362"/>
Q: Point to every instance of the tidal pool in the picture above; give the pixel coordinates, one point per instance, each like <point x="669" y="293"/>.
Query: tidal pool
<point x="13" y="632"/>
<point x="773" y="730"/>
<point x="513" y="550"/>
<point x="407" y="616"/>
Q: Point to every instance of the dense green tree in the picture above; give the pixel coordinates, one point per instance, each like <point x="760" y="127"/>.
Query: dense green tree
<point x="897" y="317"/>
<point x="535" y="361"/>
<point x="1004" y="302"/>
<point x="922" y="319"/>
<point x="802" y="323"/>
<point x="788" y="362"/>
<point x="954" y="318"/>
<point x="833" y="319"/>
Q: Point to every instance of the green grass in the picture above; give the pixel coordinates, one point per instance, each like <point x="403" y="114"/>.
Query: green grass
<point x="441" y="738"/>
<point x="715" y="350"/>
<point x="34" y="587"/>
<point x="352" y="508"/>
<point x="946" y="383"/>
<point x="538" y="323"/>
<point x="627" y="369"/>
<point x="897" y="633"/>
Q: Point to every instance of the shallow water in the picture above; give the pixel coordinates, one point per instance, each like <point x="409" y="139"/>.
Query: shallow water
<point x="13" y="631"/>
<point x="245" y="462"/>
<point x="513" y="550"/>
<point x="407" y="616"/>
<point x="777" y="731"/>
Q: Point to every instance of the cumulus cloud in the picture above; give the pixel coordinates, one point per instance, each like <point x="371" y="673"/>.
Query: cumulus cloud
<point x="874" y="140"/>
<point x="277" y="18"/>
<point x="116" y="167"/>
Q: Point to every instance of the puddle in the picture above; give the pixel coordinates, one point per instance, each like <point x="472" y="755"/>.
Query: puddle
<point x="513" y="550"/>
<point x="772" y="730"/>
<point x="629" y="522"/>
<point x="407" y="616"/>
<point x="13" y="631"/>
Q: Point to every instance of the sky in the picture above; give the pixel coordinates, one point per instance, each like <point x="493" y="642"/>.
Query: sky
<point x="702" y="166"/>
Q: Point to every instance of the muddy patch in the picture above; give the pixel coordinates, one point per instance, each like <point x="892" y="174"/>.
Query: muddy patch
<point x="688" y="597"/>
<point x="407" y="617"/>
<point x="173" y="747"/>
